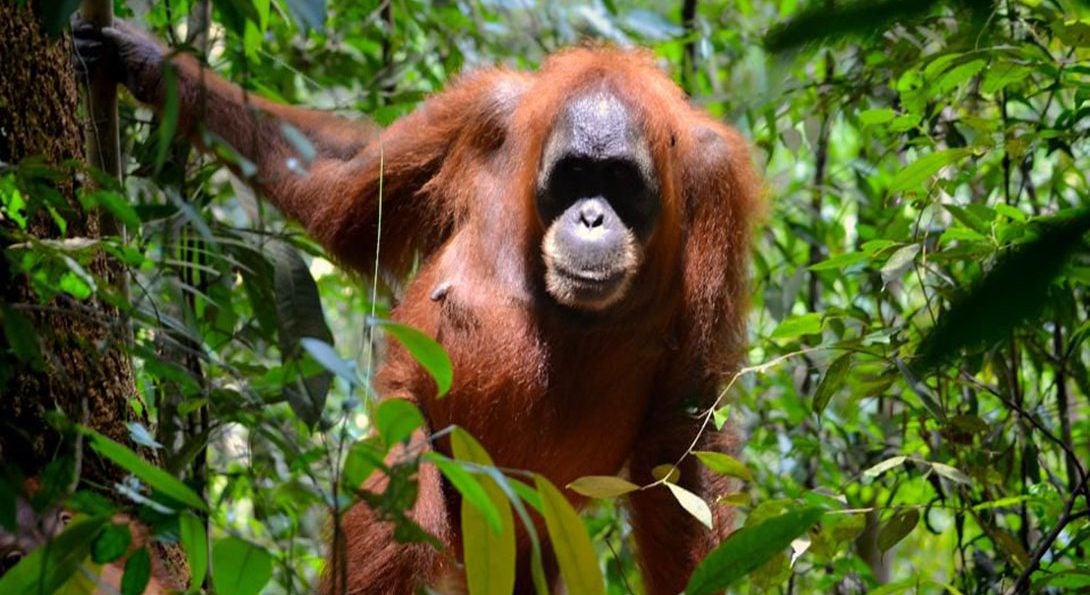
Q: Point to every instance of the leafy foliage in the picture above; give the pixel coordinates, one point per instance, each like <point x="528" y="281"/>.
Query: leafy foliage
<point x="917" y="412"/>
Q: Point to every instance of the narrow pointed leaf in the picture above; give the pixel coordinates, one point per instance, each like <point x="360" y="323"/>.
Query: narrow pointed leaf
<point x="574" y="551"/>
<point x="489" y="555"/>
<point x="897" y="528"/>
<point x="155" y="477"/>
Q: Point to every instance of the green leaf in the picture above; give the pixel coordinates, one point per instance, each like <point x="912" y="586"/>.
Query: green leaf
<point x="299" y="315"/>
<point x="899" y="262"/>
<point x="1021" y="276"/>
<point x="469" y="487"/>
<point x="749" y="548"/>
<point x="396" y="420"/>
<point x="195" y="541"/>
<point x="724" y="464"/>
<point x="111" y="543"/>
<point x="116" y="204"/>
<point x="1075" y="33"/>
<point x="821" y="21"/>
<point x="21" y="335"/>
<point x="425" y="350"/>
<point x="1002" y="74"/>
<point x="489" y="555"/>
<point x="876" y="116"/>
<point x="137" y="573"/>
<point x="574" y="551"/>
<point x="831" y="382"/>
<point x="840" y="261"/>
<point x="363" y="458"/>
<point x="526" y="493"/>
<point x="325" y="355"/>
<point x="968" y="218"/>
<point x="917" y="173"/>
<point x="803" y="324"/>
<point x="239" y="567"/>
<point x="693" y="504"/>
<point x="54" y="16"/>
<point x="959" y="74"/>
<point x="235" y="14"/>
<point x="721" y="416"/>
<point x="602" y="486"/>
<point x="156" y="478"/>
<point x="47" y="568"/>
<point x="897" y="528"/>
<point x="168" y="118"/>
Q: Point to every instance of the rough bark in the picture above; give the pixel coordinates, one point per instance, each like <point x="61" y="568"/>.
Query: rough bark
<point x="84" y="371"/>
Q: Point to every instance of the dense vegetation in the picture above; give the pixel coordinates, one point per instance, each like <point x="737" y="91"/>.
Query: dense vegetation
<point x="919" y="374"/>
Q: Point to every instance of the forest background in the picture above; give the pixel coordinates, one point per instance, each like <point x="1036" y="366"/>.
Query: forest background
<point x="918" y="362"/>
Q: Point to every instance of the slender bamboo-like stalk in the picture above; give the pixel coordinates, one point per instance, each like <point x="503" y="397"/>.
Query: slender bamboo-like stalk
<point x="103" y="142"/>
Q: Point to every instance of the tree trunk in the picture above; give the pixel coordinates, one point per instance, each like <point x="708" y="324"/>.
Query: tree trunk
<point x="82" y="368"/>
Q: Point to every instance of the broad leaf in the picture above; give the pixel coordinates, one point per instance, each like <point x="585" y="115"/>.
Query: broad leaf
<point x="240" y="567"/>
<point x="803" y="324"/>
<point x="50" y="566"/>
<point x="137" y="573"/>
<point x="917" y="173"/>
<point x="425" y="350"/>
<point x="748" y="548"/>
<point x="299" y="315"/>
<point x="831" y="382"/>
<point x="396" y="420"/>
<point x="111" y="543"/>
<point x="897" y="528"/>
<point x="195" y="542"/>
<point x="693" y="504"/>
<point x="1021" y="277"/>
<point x="724" y="464"/>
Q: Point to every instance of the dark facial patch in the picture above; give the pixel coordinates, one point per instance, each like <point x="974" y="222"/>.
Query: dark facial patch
<point x="598" y="195"/>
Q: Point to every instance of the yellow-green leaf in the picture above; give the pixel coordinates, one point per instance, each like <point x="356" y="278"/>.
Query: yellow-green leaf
<point x="724" y="464"/>
<point x="489" y="555"/>
<point x="602" y="486"/>
<point x="666" y="472"/>
<point x="574" y="551"/>
<point x="693" y="504"/>
<point x="915" y="174"/>
<point x="803" y="324"/>
<point x="884" y="466"/>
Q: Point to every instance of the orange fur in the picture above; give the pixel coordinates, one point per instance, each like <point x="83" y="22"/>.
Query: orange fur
<point x="545" y="389"/>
